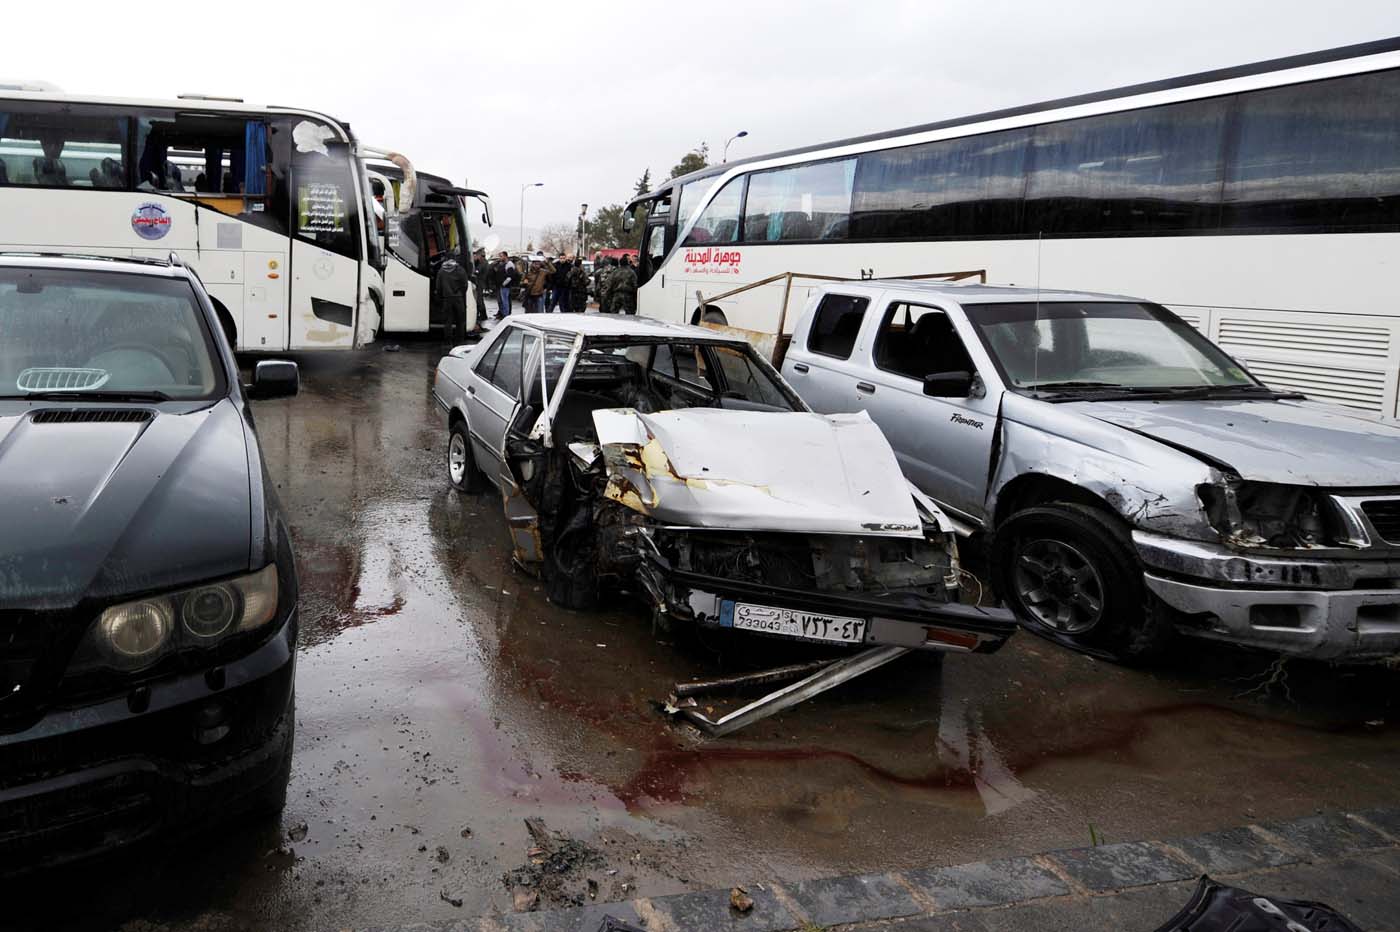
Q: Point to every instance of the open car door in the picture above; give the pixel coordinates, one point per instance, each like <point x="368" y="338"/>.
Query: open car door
<point x="528" y="487"/>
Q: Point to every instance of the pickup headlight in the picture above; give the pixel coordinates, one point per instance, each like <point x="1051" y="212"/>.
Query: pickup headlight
<point x="134" y="635"/>
<point x="1271" y="515"/>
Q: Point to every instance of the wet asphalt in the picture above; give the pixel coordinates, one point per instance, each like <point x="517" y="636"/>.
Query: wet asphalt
<point x="442" y="701"/>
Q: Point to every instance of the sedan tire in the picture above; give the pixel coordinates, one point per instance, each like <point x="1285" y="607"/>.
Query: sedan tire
<point x="1070" y="573"/>
<point x="462" y="471"/>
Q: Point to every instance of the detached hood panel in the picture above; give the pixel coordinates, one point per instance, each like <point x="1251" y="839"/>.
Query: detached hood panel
<point x="752" y="471"/>
<point x="1299" y="443"/>
<point x="104" y="510"/>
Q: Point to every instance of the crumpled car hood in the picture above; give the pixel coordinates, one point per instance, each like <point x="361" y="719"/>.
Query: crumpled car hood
<point x="757" y="471"/>
<point x="1299" y="443"/>
<point x="102" y="510"/>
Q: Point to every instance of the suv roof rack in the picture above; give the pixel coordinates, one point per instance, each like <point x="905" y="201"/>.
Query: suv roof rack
<point x="175" y="261"/>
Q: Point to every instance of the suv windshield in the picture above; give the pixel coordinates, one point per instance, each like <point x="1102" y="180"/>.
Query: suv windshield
<point x="96" y="334"/>
<point x="1064" y="346"/>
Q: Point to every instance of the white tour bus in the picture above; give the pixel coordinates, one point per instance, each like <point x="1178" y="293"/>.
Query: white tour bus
<point x="269" y="205"/>
<point x="1260" y="203"/>
<point x="424" y="219"/>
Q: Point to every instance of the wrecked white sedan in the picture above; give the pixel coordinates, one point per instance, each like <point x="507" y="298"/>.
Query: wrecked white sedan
<point x="675" y="462"/>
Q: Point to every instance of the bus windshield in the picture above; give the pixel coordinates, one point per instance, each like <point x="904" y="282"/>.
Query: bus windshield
<point x="102" y="334"/>
<point x="1065" y="346"/>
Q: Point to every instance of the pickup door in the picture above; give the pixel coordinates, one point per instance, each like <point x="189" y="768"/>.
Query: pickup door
<point x="873" y="355"/>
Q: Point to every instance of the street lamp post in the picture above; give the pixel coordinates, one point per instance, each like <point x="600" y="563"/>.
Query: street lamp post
<point x="582" y="230"/>
<point x="537" y="184"/>
<point x="739" y="135"/>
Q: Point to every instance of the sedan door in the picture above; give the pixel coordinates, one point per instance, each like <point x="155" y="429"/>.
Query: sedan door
<point x="493" y="395"/>
<point x="944" y="444"/>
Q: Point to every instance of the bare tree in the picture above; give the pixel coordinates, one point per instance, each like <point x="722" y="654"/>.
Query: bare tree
<point x="557" y="238"/>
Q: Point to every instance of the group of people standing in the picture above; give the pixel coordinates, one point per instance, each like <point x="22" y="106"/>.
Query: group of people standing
<point x="551" y="285"/>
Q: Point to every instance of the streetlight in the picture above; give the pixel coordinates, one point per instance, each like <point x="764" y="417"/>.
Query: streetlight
<point x="739" y="135"/>
<point x="537" y="184"/>
<point x="582" y="230"/>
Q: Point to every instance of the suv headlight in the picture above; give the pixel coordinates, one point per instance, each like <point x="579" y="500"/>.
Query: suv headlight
<point x="134" y="635"/>
<point x="1272" y="515"/>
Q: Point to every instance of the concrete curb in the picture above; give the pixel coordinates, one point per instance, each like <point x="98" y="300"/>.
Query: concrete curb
<point x="1329" y="857"/>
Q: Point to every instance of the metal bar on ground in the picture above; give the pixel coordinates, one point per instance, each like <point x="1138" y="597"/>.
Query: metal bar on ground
<point x="832" y="675"/>
<point x="761" y="678"/>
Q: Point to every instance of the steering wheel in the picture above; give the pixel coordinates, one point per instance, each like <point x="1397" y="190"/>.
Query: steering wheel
<point x="171" y="366"/>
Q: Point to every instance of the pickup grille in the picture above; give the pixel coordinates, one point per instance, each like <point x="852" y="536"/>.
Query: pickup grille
<point x="90" y="416"/>
<point x="1384" y="516"/>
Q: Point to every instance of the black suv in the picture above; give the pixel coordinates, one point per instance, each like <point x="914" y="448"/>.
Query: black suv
<point x="148" y="598"/>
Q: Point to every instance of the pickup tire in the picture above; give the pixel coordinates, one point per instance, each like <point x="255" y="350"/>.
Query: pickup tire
<point x="462" y="470"/>
<point x="1070" y="573"/>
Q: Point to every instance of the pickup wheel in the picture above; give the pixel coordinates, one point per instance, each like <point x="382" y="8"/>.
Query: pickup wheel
<point x="1069" y="572"/>
<point x="462" y="471"/>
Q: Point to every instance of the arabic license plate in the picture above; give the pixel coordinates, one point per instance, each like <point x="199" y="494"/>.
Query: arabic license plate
<point x="791" y="623"/>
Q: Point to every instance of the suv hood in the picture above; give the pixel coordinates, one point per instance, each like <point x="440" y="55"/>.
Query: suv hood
<point x="107" y="509"/>
<point x="752" y="471"/>
<point x="1293" y="442"/>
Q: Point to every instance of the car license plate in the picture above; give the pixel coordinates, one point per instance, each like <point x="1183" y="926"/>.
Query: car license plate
<point x="792" y="623"/>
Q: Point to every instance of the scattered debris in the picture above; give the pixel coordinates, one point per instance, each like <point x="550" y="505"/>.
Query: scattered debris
<point x="554" y="874"/>
<point x="443" y="855"/>
<point x="298" y="832"/>
<point x="466" y="832"/>
<point x="449" y="898"/>
<point x="391" y="347"/>
<point x="740" y="901"/>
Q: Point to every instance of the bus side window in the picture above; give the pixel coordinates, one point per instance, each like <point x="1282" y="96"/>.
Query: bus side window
<point x="719" y="222"/>
<point x="83" y="147"/>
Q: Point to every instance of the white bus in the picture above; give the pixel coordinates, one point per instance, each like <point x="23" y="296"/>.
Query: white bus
<point x="1261" y="203"/>
<point x="425" y="221"/>
<point x="269" y="205"/>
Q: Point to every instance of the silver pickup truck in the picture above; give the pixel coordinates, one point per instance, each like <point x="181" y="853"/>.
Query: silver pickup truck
<point x="1133" y="481"/>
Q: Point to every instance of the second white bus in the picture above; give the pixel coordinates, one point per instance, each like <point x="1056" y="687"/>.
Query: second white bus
<point x="1261" y="203"/>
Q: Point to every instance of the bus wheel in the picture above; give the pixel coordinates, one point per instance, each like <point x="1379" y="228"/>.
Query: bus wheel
<point x="709" y="315"/>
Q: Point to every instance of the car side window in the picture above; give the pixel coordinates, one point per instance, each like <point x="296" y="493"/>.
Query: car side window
<point x="680" y="361"/>
<point x="917" y="341"/>
<point x="487" y="364"/>
<point x="836" y="324"/>
<point x="506" y="375"/>
<point x="743" y="379"/>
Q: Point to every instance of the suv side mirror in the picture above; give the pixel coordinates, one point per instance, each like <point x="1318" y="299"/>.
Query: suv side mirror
<point x="948" y="384"/>
<point x="274" y="378"/>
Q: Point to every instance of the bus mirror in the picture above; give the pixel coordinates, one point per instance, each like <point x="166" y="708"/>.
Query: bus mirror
<point x="629" y="222"/>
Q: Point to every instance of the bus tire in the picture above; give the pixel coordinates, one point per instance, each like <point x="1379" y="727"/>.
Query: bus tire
<point x="1069" y="572"/>
<point x="709" y="315"/>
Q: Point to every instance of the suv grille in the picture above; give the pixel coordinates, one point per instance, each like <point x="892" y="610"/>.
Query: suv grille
<point x="23" y="643"/>
<point x="90" y="416"/>
<point x="1384" y="516"/>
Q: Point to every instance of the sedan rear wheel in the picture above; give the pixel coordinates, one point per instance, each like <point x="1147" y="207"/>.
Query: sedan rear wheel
<point x="461" y="466"/>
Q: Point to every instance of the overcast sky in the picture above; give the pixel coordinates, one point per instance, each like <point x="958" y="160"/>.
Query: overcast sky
<point x="584" y="96"/>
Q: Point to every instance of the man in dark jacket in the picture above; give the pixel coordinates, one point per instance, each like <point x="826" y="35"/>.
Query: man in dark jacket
<point x="451" y="289"/>
<point x="559" y="285"/>
<point x="480" y="272"/>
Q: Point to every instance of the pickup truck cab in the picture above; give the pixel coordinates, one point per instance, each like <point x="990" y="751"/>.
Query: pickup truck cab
<point x="1131" y="478"/>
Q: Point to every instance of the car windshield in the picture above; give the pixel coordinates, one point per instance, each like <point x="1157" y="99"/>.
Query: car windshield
<point x="100" y="334"/>
<point x="1068" y="346"/>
